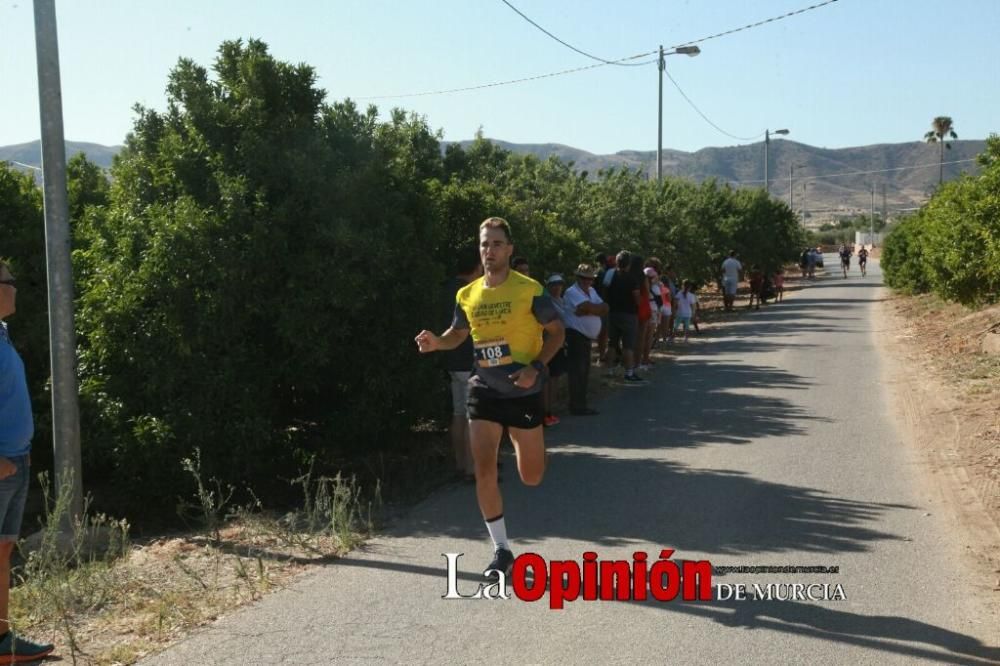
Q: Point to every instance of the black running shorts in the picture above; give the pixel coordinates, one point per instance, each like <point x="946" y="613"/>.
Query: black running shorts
<point x="524" y="412"/>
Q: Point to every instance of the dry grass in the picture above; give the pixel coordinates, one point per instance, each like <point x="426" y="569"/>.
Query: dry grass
<point x="114" y="605"/>
<point x="946" y="340"/>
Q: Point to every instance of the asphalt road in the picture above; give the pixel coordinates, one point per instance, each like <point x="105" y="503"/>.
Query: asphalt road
<point x="766" y="442"/>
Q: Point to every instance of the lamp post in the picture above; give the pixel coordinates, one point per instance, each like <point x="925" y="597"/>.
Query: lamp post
<point x="767" y="143"/>
<point x="691" y="51"/>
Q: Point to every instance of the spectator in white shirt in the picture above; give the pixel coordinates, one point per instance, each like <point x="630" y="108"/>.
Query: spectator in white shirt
<point x="731" y="269"/>
<point x="687" y="303"/>
<point x="582" y="317"/>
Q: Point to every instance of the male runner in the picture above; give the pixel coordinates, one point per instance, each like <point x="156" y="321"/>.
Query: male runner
<point x="863" y="261"/>
<point x="505" y="312"/>
<point x="845" y="259"/>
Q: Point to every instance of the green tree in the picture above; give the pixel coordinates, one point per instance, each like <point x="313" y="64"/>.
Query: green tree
<point x="952" y="245"/>
<point x="941" y="130"/>
<point x="255" y="277"/>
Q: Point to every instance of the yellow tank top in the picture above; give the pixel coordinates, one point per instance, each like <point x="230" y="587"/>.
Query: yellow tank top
<point x="505" y="323"/>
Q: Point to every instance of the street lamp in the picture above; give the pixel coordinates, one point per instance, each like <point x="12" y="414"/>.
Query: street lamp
<point x="691" y="51"/>
<point x="767" y="143"/>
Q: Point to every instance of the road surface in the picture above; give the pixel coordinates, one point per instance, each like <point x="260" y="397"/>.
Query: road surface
<point x="767" y="442"/>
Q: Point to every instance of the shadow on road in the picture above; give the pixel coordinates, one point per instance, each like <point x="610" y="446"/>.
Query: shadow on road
<point x="886" y="633"/>
<point x="618" y="502"/>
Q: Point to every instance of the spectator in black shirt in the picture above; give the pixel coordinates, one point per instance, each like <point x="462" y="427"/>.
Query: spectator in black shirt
<point x="623" y="324"/>
<point x="459" y="361"/>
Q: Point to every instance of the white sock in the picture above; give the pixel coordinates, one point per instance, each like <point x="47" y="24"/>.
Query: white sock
<point x="498" y="532"/>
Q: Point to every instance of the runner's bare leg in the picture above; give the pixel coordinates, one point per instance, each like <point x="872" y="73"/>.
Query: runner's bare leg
<point x="530" y="448"/>
<point x="485" y="439"/>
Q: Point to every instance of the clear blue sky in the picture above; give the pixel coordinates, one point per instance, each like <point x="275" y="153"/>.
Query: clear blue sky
<point x="852" y="73"/>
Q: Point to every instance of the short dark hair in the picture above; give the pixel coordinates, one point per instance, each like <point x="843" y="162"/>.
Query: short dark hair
<point x="622" y="259"/>
<point x="732" y="253"/>
<point x="497" y="223"/>
<point x="468" y="259"/>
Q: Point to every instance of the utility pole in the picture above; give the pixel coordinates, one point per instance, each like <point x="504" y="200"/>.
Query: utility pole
<point x="790" y="188"/>
<point x="872" y="237"/>
<point x="62" y="334"/>
<point x="885" y="211"/>
<point x="767" y="143"/>
<point x="661" y="65"/>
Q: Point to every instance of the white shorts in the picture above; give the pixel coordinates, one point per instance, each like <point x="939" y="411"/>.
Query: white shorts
<point x="459" y="391"/>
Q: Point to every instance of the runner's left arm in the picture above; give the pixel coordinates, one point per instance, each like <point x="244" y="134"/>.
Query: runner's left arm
<point x="548" y="316"/>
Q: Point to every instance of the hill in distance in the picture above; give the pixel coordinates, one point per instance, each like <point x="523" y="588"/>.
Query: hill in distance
<point x="816" y="189"/>
<point x="909" y="170"/>
<point x="31" y="153"/>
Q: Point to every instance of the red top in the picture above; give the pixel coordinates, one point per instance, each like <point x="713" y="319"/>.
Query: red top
<point x="645" y="312"/>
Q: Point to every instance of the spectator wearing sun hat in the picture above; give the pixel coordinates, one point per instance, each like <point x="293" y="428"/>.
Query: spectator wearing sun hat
<point x="582" y="317"/>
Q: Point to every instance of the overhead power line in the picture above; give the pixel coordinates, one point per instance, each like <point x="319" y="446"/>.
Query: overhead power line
<point x="860" y="173"/>
<point x="602" y="63"/>
<point x="496" y="84"/>
<point x="26" y="166"/>
<point x="570" y="46"/>
<point x="706" y="118"/>
<point x="757" y="24"/>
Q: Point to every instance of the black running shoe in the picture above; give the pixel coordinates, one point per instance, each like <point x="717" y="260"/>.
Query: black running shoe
<point x="503" y="560"/>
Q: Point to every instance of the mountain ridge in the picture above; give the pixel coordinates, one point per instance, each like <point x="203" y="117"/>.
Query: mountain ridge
<point x="908" y="171"/>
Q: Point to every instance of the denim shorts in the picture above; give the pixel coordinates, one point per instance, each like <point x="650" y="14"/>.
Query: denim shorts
<point x="13" y="495"/>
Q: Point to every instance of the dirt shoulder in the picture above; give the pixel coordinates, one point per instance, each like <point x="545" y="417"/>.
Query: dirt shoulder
<point x="945" y="392"/>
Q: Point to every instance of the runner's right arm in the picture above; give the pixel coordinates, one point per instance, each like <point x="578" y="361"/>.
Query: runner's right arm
<point x="450" y="339"/>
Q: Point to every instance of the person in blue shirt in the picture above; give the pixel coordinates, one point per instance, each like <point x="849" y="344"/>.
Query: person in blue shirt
<point x="16" y="429"/>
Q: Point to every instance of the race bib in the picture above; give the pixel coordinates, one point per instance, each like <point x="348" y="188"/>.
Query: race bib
<point x="493" y="353"/>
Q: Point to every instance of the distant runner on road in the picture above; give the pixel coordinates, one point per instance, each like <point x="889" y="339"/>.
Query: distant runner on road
<point x="505" y="312"/>
<point x="863" y="261"/>
<point x="845" y="259"/>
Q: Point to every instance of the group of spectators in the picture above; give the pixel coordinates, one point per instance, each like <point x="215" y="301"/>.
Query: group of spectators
<point x="764" y="284"/>
<point x="625" y="303"/>
<point x="810" y="259"/>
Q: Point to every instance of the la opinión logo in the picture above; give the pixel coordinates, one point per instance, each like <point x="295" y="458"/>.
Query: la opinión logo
<point x="592" y="579"/>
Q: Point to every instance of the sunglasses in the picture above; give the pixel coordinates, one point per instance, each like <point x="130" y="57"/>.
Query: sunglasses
<point x="12" y="282"/>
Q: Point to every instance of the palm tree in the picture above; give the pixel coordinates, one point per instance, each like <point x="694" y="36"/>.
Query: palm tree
<point x="941" y="130"/>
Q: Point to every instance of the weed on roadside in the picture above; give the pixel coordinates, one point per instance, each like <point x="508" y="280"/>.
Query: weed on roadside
<point x="105" y="600"/>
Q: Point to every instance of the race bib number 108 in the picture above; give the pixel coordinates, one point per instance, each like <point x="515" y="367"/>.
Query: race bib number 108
<point x="493" y="353"/>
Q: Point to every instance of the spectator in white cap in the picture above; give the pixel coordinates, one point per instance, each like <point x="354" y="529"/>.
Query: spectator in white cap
<point x="582" y="318"/>
<point x="656" y="313"/>
<point x="557" y="366"/>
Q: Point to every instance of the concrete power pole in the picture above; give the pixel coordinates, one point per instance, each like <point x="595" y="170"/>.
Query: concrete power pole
<point x="885" y="209"/>
<point x="871" y="238"/>
<point x="62" y="333"/>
